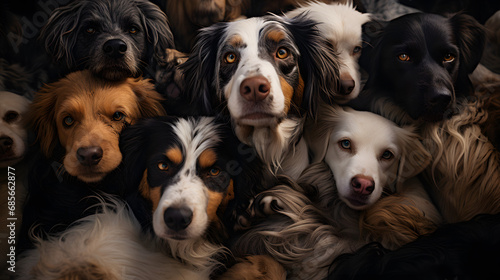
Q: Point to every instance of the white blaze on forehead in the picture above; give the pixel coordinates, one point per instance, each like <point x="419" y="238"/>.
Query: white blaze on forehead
<point x="251" y="63"/>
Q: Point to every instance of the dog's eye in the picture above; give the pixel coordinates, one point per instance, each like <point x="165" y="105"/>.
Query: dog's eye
<point x="11" y="116"/>
<point x="118" y="116"/>
<point x="163" y="166"/>
<point x="68" y="121"/>
<point x="230" y="57"/>
<point x="90" y="30"/>
<point x="387" y="155"/>
<point x="282" y="53"/>
<point x="404" y="57"/>
<point x="132" y="30"/>
<point x="356" y="49"/>
<point x="448" y="57"/>
<point x="345" y="144"/>
<point x="214" y="171"/>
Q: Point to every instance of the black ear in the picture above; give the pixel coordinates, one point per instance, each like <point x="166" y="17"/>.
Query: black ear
<point x="371" y="35"/>
<point x="61" y="31"/>
<point x="200" y="68"/>
<point x="471" y="38"/>
<point x="318" y="64"/>
<point x="156" y="27"/>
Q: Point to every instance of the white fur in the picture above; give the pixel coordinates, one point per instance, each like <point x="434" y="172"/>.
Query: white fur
<point x="15" y="130"/>
<point x="113" y="241"/>
<point x="341" y="25"/>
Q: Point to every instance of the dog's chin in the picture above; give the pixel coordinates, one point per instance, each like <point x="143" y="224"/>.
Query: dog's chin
<point x="10" y="161"/>
<point x="356" y="203"/>
<point x="259" y="120"/>
<point x="90" y="177"/>
<point x="114" y="73"/>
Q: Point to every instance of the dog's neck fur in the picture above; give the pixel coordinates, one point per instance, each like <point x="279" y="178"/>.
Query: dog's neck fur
<point x="282" y="147"/>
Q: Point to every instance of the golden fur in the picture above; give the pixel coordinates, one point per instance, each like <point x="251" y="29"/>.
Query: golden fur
<point x="91" y="103"/>
<point x="465" y="172"/>
<point x="255" y="267"/>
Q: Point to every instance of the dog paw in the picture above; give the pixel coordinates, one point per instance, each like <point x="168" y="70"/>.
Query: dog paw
<point x="255" y="267"/>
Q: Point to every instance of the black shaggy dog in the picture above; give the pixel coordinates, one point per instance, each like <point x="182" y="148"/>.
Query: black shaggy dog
<point x="115" y="39"/>
<point x="463" y="251"/>
<point x="421" y="62"/>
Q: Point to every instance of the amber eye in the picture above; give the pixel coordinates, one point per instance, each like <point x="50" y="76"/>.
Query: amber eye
<point x="345" y="144"/>
<point x="11" y="116"/>
<point x="230" y="58"/>
<point x="68" y="121"/>
<point x="163" y="166"/>
<point x="356" y="50"/>
<point x="282" y="53"/>
<point x="118" y="116"/>
<point x="387" y="155"/>
<point x="404" y="57"/>
<point x="214" y="171"/>
<point x="90" y="30"/>
<point x="448" y="57"/>
<point x="132" y="30"/>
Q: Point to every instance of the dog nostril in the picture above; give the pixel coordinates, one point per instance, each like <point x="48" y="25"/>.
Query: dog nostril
<point x="177" y="218"/>
<point x="363" y="185"/>
<point x="5" y="144"/>
<point x="347" y="86"/>
<point x="89" y="156"/>
<point x="115" y="48"/>
<point x="369" y="190"/>
<point x="255" y="89"/>
<point x="440" y="100"/>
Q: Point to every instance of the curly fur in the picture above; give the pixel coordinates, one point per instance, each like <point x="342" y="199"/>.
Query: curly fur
<point x="466" y="167"/>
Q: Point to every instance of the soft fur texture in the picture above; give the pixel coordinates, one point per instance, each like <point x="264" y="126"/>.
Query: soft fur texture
<point x="341" y="25"/>
<point x="115" y="39"/>
<point x="77" y="121"/>
<point x="421" y="62"/>
<point x="467" y="250"/>
<point x="465" y="171"/>
<point x="268" y="73"/>
<point x="192" y="175"/>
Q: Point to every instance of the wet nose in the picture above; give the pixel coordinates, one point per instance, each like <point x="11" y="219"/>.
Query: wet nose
<point x="363" y="185"/>
<point x="177" y="218"/>
<point x="347" y="86"/>
<point x="255" y="89"/>
<point x="115" y="48"/>
<point x="89" y="156"/>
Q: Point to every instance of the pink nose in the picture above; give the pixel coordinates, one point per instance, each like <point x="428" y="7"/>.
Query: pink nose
<point x="255" y="89"/>
<point x="363" y="185"/>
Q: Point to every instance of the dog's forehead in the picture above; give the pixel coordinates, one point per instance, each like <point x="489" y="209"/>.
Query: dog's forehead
<point x="12" y="102"/>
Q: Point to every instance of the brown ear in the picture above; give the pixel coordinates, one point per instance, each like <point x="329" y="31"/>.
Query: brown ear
<point x="148" y="98"/>
<point x="41" y="118"/>
<point x="414" y="157"/>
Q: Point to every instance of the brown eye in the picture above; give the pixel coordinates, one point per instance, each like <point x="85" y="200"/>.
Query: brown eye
<point x="345" y="144"/>
<point x="163" y="166"/>
<point x="356" y="50"/>
<point x="448" y="57"/>
<point x="118" y="116"/>
<point x="230" y="58"/>
<point x="387" y="155"/>
<point x="11" y="116"/>
<point x="404" y="57"/>
<point x="132" y="30"/>
<point x="214" y="171"/>
<point x="90" y="30"/>
<point x="68" y="121"/>
<point x="282" y="53"/>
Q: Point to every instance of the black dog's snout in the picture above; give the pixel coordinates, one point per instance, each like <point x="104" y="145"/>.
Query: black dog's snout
<point x="178" y="218"/>
<point x="115" y="48"/>
<point x="5" y="144"/>
<point x="89" y="156"/>
<point x="440" y="100"/>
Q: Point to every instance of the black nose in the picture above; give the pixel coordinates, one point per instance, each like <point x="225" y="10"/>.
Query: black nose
<point x="115" y="48"/>
<point x="89" y="156"/>
<point x="5" y="144"/>
<point x="347" y="86"/>
<point x="178" y="218"/>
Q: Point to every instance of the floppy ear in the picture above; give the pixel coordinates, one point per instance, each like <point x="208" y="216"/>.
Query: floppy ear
<point x="60" y="32"/>
<point x="41" y="118"/>
<point x="471" y="38"/>
<point x="414" y="157"/>
<point x="158" y="32"/>
<point x="201" y="66"/>
<point x="148" y="99"/>
<point x="317" y="131"/>
<point x="371" y="34"/>
<point x="318" y="64"/>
